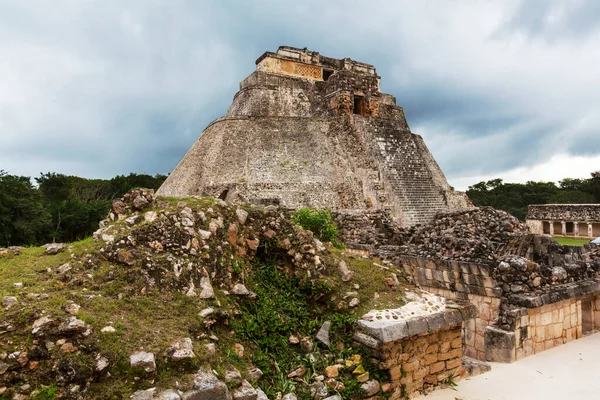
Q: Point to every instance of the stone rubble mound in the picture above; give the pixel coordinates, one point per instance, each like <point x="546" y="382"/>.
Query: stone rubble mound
<point x="474" y="234"/>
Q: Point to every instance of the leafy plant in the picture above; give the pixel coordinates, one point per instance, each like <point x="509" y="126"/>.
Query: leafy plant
<point x="450" y="381"/>
<point x="320" y="222"/>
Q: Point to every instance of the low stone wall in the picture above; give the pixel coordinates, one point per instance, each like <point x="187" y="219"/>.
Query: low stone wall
<point x="420" y="354"/>
<point x="466" y="281"/>
<point x="366" y="230"/>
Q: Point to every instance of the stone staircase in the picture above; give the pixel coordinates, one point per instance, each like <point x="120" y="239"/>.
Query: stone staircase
<point x="411" y="186"/>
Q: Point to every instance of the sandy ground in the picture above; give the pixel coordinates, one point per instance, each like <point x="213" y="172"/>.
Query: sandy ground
<point x="567" y="372"/>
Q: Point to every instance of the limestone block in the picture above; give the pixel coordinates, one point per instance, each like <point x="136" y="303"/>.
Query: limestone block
<point x="499" y="345"/>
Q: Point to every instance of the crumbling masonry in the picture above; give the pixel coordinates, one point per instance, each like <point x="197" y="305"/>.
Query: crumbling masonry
<point x="306" y="130"/>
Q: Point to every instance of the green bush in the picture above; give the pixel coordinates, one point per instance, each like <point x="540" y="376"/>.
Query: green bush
<point x="320" y="222"/>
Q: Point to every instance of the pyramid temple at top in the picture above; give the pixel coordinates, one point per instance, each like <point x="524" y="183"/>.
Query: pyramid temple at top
<point x="306" y="130"/>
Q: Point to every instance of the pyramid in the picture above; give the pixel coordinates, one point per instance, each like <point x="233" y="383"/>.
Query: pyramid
<point x="306" y="130"/>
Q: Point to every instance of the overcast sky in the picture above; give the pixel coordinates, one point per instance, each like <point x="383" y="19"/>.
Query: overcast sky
<point x="500" y="88"/>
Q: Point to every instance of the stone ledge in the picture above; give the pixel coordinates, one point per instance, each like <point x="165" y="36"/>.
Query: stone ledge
<point x="556" y="293"/>
<point x="386" y="331"/>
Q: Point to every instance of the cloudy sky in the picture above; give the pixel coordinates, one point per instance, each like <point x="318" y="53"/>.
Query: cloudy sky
<point x="502" y="88"/>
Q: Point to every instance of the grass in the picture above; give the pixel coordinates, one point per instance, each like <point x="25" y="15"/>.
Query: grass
<point x="569" y="241"/>
<point x="148" y="319"/>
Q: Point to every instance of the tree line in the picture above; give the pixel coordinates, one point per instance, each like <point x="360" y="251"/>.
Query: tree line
<point x="515" y="197"/>
<point x="59" y="208"/>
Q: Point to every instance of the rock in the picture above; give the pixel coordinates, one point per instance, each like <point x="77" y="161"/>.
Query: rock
<point x="150" y="216"/>
<point x="318" y="390"/>
<point x="181" y="349"/>
<point x="245" y="392"/>
<point x="294" y="339"/>
<point x="72" y="326"/>
<point x="335" y="385"/>
<point x="260" y="395"/>
<point x="133" y="220"/>
<point x="206" y="289"/>
<point x="354" y="303"/>
<point x="72" y="308"/>
<point x="240" y="290"/>
<point x="101" y="363"/>
<point x="323" y="334"/>
<point x="255" y="373"/>
<point x="9" y="301"/>
<point x="306" y="345"/>
<point x="297" y="373"/>
<point x="242" y="215"/>
<point x="332" y="371"/>
<point x="143" y="394"/>
<point x="18" y="285"/>
<point x="207" y="387"/>
<point x="347" y="275"/>
<point x="144" y="360"/>
<point x="54" y="248"/>
<point x="140" y="203"/>
<point x="40" y="325"/>
<point x="334" y="397"/>
<point x="370" y="388"/>
<point x="362" y="378"/>
<point x="3" y="367"/>
<point x="68" y="348"/>
<point x="64" y="268"/>
<point x="108" y="329"/>
<point x="204" y="235"/>
<point x="210" y="349"/>
<point x="107" y="238"/>
<point x="206" y="312"/>
<point x="289" y="396"/>
<point x="238" y="349"/>
<point x="559" y="274"/>
<point x="168" y="394"/>
<point x="233" y="376"/>
<point x="319" y="245"/>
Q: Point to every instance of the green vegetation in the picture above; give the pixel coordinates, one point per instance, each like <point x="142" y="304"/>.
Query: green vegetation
<point x="568" y="241"/>
<point x="61" y="208"/>
<point x="515" y="197"/>
<point x="320" y="222"/>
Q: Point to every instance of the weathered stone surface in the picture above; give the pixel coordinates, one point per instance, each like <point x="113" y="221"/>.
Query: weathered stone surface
<point x="323" y="334"/>
<point x="144" y="394"/>
<point x="252" y="167"/>
<point x="9" y="301"/>
<point x="168" y="394"/>
<point x="370" y="388"/>
<point x="54" y="248"/>
<point x="245" y="392"/>
<point x="181" y="349"/>
<point x="144" y="360"/>
<point x="207" y="387"/>
<point x="242" y="215"/>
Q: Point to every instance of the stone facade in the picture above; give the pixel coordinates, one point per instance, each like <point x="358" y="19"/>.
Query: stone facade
<point x="306" y="130"/>
<point x="420" y="354"/>
<point x="580" y="220"/>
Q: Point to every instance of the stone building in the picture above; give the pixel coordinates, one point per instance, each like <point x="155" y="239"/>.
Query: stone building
<point x="308" y="130"/>
<point x="579" y="220"/>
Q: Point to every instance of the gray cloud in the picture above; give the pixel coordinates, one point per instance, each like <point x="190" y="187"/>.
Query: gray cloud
<point x="102" y="88"/>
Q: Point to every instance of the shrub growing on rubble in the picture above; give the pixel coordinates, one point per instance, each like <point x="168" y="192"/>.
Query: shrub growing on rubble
<point x="320" y="222"/>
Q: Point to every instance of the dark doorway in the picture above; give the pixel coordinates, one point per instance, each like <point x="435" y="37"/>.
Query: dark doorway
<point x="224" y="194"/>
<point x="327" y="73"/>
<point x="570" y="228"/>
<point x="546" y="227"/>
<point x="359" y="105"/>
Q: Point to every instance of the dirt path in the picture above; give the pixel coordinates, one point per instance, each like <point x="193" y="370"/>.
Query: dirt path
<point x="568" y="372"/>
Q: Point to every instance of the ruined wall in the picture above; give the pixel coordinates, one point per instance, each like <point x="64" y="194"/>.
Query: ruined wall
<point x="564" y="212"/>
<point x="419" y="354"/>
<point x="458" y="280"/>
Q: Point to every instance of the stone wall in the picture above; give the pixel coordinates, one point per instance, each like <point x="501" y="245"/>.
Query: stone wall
<point x="420" y="355"/>
<point x="564" y="212"/>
